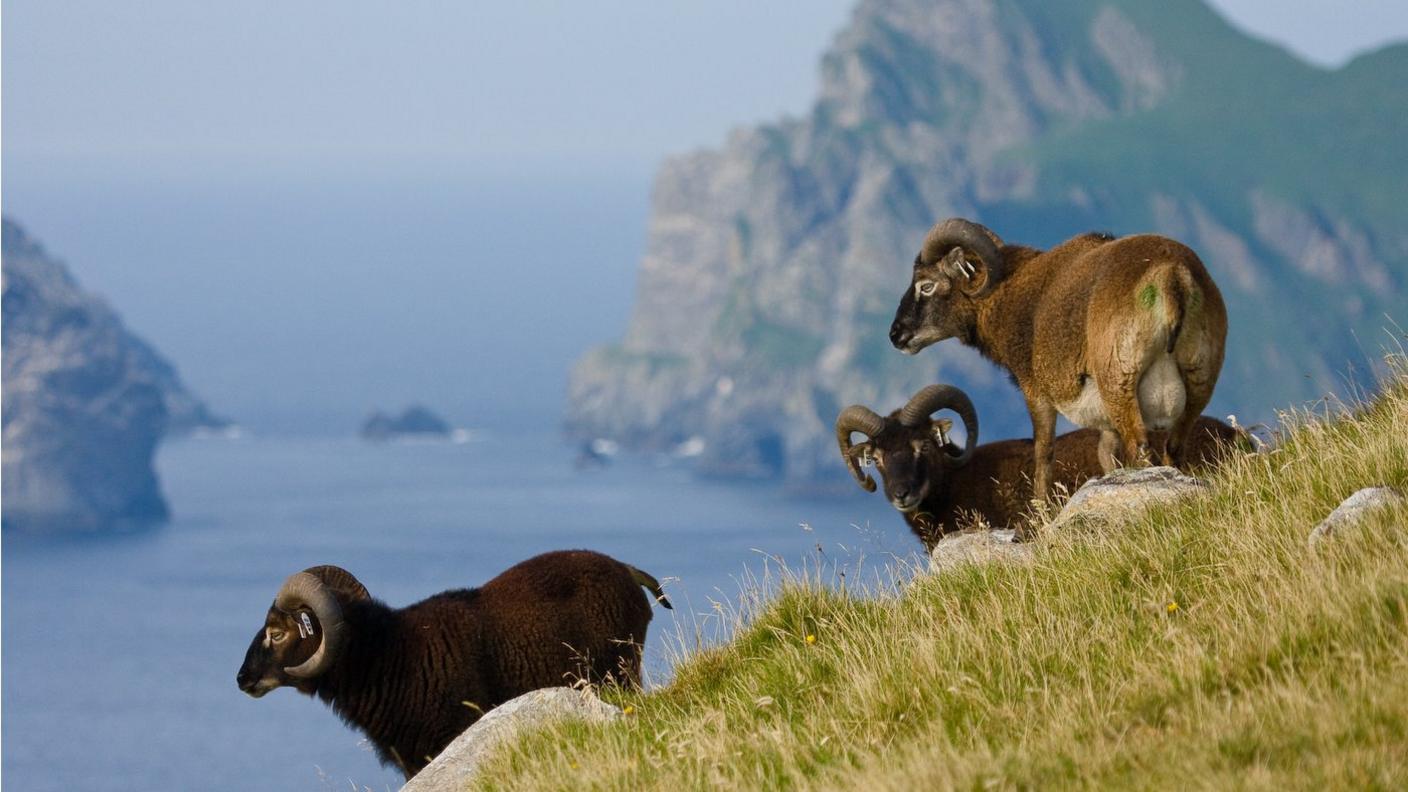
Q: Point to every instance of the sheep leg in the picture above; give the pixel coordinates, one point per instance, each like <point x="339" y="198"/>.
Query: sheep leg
<point x="1109" y="448"/>
<point x="1198" y="387"/>
<point x="1181" y="433"/>
<point x="1161" y="447"/>
<point x="1120" y="395"/>
<point x="1043" y="433"/>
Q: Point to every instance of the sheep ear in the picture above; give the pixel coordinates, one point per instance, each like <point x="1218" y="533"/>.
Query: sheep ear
<point x="940" y="429"/>
<point x="863" y="454"/>
<point x="966" y="269"/>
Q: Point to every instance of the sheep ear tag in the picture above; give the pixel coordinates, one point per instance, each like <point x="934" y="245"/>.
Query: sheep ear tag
<point x="305" y="625"/>
<point x="941" y="429"/>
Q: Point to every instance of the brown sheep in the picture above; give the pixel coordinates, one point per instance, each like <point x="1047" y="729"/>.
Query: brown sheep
<point x="414" y="678"/>
<point x="939" y="488"/>
<point x="1122" y="335"/>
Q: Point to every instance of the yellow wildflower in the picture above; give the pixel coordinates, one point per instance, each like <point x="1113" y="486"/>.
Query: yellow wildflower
<point x="811" y="639"/>
<point x="1172" y="607"/>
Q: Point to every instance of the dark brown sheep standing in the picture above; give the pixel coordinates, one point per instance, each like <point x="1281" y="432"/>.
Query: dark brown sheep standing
<point x="1122" y="335"/>
<point x="414" y="678"/>
<point x="940" y="488"/>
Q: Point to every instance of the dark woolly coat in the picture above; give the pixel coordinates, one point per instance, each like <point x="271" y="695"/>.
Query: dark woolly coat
<point x="996" y="484"/>
<point x="414" y="678"/>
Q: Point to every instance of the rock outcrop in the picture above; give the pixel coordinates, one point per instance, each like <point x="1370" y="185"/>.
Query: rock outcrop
<point x="85" y="403"/>
<point x="454" y="769"/>
<point x="1354" y="509"/>
<point x="977" y="547"/>
<point x="774" y="263"/>
<point x="414" y="421"/>
<point x="1125" y="492"/>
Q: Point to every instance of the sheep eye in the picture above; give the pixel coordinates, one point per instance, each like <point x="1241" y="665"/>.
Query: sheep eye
<point x="925" y="288"/>
<point x="277" y="636"/>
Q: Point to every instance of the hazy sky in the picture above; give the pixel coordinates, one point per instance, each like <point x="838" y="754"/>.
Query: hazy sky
<point x="315" y="208"/>
<point x="165" y="83"/>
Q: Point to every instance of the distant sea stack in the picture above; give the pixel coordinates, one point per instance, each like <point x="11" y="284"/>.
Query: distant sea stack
<point x="774" y="263"/>
<point x="85" y="403"/>
<point x="414" y="421"/>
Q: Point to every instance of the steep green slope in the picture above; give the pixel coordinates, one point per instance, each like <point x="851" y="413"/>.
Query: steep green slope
<point x="1203" y="646"/>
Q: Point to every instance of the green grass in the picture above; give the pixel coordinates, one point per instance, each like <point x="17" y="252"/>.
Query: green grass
<point x="1202" y="646"/>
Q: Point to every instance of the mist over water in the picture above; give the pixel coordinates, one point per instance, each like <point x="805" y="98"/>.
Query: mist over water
<point x="297" y="303"/>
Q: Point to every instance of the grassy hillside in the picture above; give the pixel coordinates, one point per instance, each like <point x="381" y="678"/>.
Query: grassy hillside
<point x="1204" y="646"/>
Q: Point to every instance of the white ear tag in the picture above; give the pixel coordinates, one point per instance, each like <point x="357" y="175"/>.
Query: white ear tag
<point x="305" y="626"/>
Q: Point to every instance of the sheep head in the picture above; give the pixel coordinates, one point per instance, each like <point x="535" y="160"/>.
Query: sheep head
<point x="910" y="448"/>
<point x="958" y="265"/>
<point x="303" y="632"/>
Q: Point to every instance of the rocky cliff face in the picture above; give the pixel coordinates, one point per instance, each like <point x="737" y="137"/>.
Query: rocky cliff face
<point x="773" y="264"/>
<point x="85" y="402"/>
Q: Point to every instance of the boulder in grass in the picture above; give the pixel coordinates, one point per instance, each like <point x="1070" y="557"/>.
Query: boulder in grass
<point x="977" y="547"/>
<point x="1354" y="509"/>
<point x="454" y="769"/>
<point x="1124" y="493"/>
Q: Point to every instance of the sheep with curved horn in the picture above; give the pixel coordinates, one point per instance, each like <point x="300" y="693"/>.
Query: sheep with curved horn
<point x="414" y="678"/>
<point x="1121" y="335"/>
<point x="939" y="488"/>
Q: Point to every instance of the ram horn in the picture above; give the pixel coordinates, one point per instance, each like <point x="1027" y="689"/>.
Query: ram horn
<point x="343" y="583"/>
<point x="957" y="232"/>
<point x="933" y="398"/>
<point x="306" y="590"/>
<point x="857" y="418"/>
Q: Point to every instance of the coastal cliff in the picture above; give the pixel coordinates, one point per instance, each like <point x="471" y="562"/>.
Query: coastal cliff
<point x="773" y="263"/>
<point x="85" y="403"/>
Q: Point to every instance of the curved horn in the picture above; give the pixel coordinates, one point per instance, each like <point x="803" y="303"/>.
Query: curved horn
<point x="857" y="418"/>
<point x="933" y="398"/>
<point x="957" y="232"/>
<point x="343" y="583"/>
<point x="306" y="590"/>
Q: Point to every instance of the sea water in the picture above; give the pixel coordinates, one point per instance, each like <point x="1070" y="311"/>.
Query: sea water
<point x="120" y="651"/>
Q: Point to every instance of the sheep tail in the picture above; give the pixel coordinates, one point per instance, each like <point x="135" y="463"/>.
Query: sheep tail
<point x="1172" y="289"/>
<point x="651" y="584"/>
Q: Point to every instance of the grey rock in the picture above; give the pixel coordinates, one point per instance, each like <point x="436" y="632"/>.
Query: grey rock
<point x="977" y="547"/>
<point x="85" y="403"/>
<point x="1354" y="509"/>
<point x="1124" y="493"/>
<point x="414" y="421"/>
<point x="456" y="766"/>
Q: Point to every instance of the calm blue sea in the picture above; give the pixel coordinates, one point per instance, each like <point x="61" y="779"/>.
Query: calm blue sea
<point x="120" y="652"/>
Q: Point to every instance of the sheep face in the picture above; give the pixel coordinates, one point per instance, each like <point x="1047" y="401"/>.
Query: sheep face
<point x="910" y="446"/>
<point x="908" y="459"/>
<point x="940" y="301"/>
<point x="287" y="640"/>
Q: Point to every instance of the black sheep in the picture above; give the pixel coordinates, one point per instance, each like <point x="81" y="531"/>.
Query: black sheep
<point x="939" y="487"/>
<point x="414" y="678"/>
